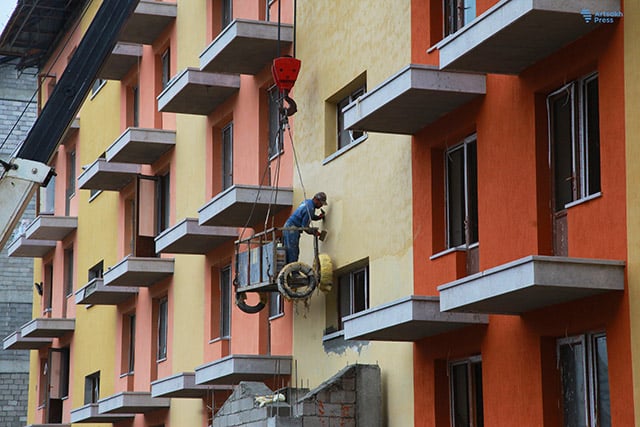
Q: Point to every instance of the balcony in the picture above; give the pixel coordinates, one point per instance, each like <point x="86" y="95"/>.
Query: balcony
<point x="27" y="248"/>
<point x="412" y="99"/>
<point x="187" y="237"/>
<point x="140" y="146"/>
<point x="16" y="341"/>
<point x="51" y="227"/>
<point x="515" y="34"/>
<point x="148" y="21"/>
<point x="232" y="369"/>
<point x="49" y="425"/>
<point x="89" y="414"/>
<point x="532" y="283"/>
<point x="96" y="293"/>
<point x="47" y="328"/>
<point x="182" y="385"/>
<point x="245" y="47"/>
<point x="407" y="319"/>
<point x="197" y="92"/>
<point x="123" y="57"/>
<point x="131" y="402"/>
<point x="102" y="175"/>
<point x="244" y="205"/>
<point x="133" y="271"/>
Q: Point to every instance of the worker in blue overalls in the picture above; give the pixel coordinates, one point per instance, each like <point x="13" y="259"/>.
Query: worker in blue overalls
<point x="301" y="217"/>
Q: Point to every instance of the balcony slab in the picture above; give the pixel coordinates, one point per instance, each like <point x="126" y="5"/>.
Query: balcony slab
<point x="245" y="47"/>
<point x="515" y="34"/>
<point x="148" y="21"/>
<point x="407" y="319"/>
<point x="123" y="57"/>
<point x="182" y="385"/>
<point x="241" y="205"/>
<point x="102" y="175"/>
<point x="96" y="293"/>
<point x="232" y="369"/>
<point x="413" y="98"/>
<point x="51" y="227"/>
<point x="197" y="92"/>
<point x="47" y="328"/>
<point x="187" y="237"/>
<point x="131" y="402"/>
<point x="138" y="271"/>
<point x="89" y="414"/>
<point x="532" y="283"/>
<point x="16" y="341"/>
<point x="28" y="248"/>
<point x="141" y="146"/>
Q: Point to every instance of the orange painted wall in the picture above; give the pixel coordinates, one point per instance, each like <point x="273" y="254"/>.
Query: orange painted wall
<point x="520" y="384"/>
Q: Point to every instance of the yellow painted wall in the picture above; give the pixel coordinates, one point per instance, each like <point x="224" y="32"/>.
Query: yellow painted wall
<point x="632" y="129"/>
<point x="368" y="187"/>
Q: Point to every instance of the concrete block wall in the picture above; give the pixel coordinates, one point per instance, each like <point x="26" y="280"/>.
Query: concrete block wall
<point x="18" y="111"/>
<point x="351" y="398"/>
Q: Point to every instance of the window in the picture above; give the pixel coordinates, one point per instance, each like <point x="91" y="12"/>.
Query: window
<point x="225" y="302"/>
<point x="71" y="180"/>
<point x="227" y="156"/>
<point x="465" y="391"/>
<point x="227" y="12"/>
<point x="457" y="14"/>
<point x="269" y="4"/>
<point x="47" y="289"/>
<point x="462" y="194"/>
<point x="163" y="321"/>
<point x="276" y="304"/>
<point x="163" y="200"/>
<point x="96" y="271"/>
<point x="584" y="373"/>
<point x="97" y="85"/>
<point x="92" y="388"/>
<point x="48" y="197"/>
<point x="345" y="136"/>
<point x="275" y="130"/>
<point x="133" y="105"/>
<point x="575" y="141"/>
<point x="129" y="343"/>
<point x="68" y="272"/>
<point x="165" y="61"/>
<point x="353" y="293"/>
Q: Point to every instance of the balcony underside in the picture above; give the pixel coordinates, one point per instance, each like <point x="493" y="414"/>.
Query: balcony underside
<point x="27" y="248"/>
<point x="407" y="319"/>
<point x="515" y="34"/>
<point x="90" y="414"/>
<point x="141" y="146"/>
<point x="182" y="385"/>
<point x="51" y="227"/>
<point x="532" y="283"/>
<point x="242" y="205"/>
<point x="187" y="237"/>
<point x="96" y="293"/>
<point x="16" y="341"/>
<point x="47" y="328"/>
<point x="123" y="57"/>
<point x="148" y="21"/>
<point x="135" y="271"/>
<point x="246" y="47"/>
<point x="197" y="92"/>
<point x="131" y="402"/>
<point x="411" y="99"/>
<point x="102" y="175"/>
<point x="232" y="369"/>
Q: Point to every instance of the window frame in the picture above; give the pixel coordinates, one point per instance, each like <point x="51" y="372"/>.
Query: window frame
<point x="340" y="106"/>
<point x="165" y="68"/>
<point x="70" y="190"/>
<point x="226" y="148"/>
<point x="162" y="329"/>
<point x="68" y="271"/>
<point x="473" y="399"/>
<point x="225" y="302"/>
<point x="453" y="22"/>
<point x="352" y="309"/>
<point x="163" y="202"/>
<point x="92" y="388"/>
<point x="226" y="13"/>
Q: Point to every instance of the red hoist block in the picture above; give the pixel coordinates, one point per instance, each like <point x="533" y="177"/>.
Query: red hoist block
<point x="285" y="72"/>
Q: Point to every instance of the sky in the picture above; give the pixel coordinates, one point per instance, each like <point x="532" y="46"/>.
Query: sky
<point x="6" y="9"/>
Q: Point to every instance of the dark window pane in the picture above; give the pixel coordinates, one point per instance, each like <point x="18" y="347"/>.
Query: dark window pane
<point x="68" y="272"/>
<point x="132" y="343"/>
<point x="455" y="197"/>
<point x="135" y="93"/>
<point x="561" y="122"/>
<point x="226" y="12"/>
<point x="166" y="64"/>
<point x="344" y="297"/>
<point x="572" y="371"/>
<point x="360" y="301"/>
<point x="472" y="193"/>
<point x="275" y="134"/>
<point x="603" y="407"/>
<point x="592" y="135"/>
<point x="476" y="368"/>
<point x="460" y="395"/>
<point x="227" y="157"/>
<point x="162" y="328"/>
<point x="225" y="302"/>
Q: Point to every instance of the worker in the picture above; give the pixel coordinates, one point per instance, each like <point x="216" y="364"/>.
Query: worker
<point x="302" y="217"/>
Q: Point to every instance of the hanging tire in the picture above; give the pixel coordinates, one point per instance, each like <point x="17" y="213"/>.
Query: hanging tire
<point x="241" y="302"/>
<point x="297" y="280"/>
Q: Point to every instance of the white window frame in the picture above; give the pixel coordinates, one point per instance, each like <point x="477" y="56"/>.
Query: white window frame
<point x="351" y="274"/>
<point x="346" y="100"/>
<point x="472" y="387"/>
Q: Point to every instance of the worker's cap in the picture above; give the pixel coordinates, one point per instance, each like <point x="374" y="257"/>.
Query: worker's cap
<point x="321" y="197"/>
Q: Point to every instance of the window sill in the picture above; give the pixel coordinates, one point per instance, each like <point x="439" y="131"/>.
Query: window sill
<point x="333" y="336"/>
<point x="164" y="359"/>
<point x="126" y="374"/>
<point x="462" y="248"/>
<point x="276" y="317"/>
<point x="215" y="340"/>
<point x="343" y="150"/>
<point x="584" y="200"/>
<point x="93" y="196"/>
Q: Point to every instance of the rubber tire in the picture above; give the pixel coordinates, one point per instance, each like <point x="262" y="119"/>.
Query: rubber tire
<point x="287" y="270"/>
<point x="241" y="299"/>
